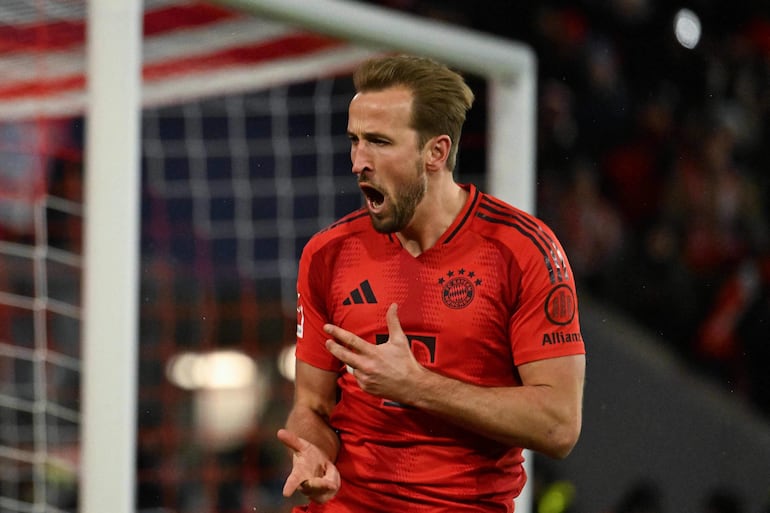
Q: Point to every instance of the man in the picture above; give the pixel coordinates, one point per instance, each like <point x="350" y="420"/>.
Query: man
<point x="437" y="327"/>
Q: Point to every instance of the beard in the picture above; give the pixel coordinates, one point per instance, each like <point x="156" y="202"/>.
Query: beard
<point x="403" y="204"/>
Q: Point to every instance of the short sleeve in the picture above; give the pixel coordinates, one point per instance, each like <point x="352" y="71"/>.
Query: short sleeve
<point x="545" y="322"/>
<point x="311" y="312"/>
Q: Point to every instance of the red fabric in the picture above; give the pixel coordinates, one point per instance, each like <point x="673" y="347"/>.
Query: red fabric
<point x="495" y="292"/>
<point x="58" y="35"/>
<point x="191" y="49"/>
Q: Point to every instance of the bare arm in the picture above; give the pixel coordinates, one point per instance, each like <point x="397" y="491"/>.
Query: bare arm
<point x="544" y="414"/>
<point x="315" y="395"/>
<point x="310" y="438"/>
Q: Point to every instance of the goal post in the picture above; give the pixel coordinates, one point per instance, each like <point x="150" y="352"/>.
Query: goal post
<point x="111" y="256"/>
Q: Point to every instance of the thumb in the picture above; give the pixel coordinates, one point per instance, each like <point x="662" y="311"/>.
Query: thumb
<point x="394" y="324"/>
<point x="291" y="440"/>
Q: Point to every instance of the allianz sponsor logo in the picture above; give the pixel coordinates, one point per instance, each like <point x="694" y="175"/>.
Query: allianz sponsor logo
<point x="560" y="337"/>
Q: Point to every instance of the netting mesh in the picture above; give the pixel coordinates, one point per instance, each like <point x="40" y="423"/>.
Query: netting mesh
<point x="245" y="180"/>
<point x="233" y="184"/>
<point x="39" y="358"/>
<point x="232" y="189"/>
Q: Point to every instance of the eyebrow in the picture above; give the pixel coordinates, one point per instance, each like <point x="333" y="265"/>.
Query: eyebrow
<point x="369" y="136"/>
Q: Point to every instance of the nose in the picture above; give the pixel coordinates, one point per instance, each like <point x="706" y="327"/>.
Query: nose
<point x="360" y="159"/>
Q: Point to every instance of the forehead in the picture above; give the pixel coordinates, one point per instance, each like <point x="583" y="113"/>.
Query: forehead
<point x="390" y="107"/>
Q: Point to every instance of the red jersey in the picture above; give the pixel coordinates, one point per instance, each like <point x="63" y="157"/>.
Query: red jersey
<point x="494" y="292"/>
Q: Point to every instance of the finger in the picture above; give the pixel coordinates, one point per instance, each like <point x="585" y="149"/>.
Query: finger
<point x="314" y="486"/>
<point x="343" y="354"/>
<point x="319" y="489"/>
<point x="291" y="440"/>
<point x="345" y="337"/>
<point x="291" y="485"/>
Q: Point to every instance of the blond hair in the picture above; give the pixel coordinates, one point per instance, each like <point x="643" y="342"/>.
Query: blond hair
<point x="441" y="98"/>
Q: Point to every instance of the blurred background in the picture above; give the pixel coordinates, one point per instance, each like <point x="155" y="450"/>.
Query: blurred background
<point x="653" y="137"/>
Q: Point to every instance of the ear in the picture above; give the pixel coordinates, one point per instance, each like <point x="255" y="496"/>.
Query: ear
<point x="437" y="152"/>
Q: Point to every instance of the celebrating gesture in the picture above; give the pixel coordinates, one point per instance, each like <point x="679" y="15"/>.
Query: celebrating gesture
<point x="437" y="327"/>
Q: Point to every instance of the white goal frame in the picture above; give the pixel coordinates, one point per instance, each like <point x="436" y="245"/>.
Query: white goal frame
<point x="110" y="324"/>
<point x="111" y="257"/>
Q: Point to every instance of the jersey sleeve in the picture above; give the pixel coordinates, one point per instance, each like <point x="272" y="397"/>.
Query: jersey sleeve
<point x="312" y="285"/>
<point x="545" y="322"/>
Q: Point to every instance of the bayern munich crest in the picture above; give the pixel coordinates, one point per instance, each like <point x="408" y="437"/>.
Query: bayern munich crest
<point x="458" y="288"/>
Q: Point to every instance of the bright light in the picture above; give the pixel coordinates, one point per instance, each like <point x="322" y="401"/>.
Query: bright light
<point x="214" y="371"/>
<point x="687" y="28"/>
<point x="229" y="394"/>
<point x="286" y="362"/>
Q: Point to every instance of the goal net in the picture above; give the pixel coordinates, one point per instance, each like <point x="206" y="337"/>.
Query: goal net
<point x="39" y="328"/>
<point x="243" y="157"/>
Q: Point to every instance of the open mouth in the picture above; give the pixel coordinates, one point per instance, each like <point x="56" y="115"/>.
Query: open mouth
<point x="374" y="198"/>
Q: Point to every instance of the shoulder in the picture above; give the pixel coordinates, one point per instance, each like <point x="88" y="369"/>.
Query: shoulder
<point x="511" y="225"/>
<point x="354" y="224"/>
<point x="528" y="240"/>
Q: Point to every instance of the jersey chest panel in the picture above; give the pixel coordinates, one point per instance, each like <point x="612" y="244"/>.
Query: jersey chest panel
<point x="454" y="304"/>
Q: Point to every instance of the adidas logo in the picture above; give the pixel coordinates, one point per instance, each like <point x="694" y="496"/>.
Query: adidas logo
<point x="362" y="294"/>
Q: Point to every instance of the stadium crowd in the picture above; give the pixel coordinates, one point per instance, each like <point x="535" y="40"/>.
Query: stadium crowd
<point x="651" y="159"/>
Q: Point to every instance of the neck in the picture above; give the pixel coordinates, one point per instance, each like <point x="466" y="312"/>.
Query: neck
<point x="433" y="216"/>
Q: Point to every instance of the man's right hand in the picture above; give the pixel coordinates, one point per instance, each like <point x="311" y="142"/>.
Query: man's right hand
<point x="312" y="473"/>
